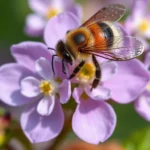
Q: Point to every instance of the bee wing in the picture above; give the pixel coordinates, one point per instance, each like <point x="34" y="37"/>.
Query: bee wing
<point x="112" y="13"/>
<point x="123" y="48"/>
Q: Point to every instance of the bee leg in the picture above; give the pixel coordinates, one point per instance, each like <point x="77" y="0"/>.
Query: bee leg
<point x="53" y="64"/>
<point x="63" y="67"/>
<point x="77" y="69"/>
<point x="97" y="73"/>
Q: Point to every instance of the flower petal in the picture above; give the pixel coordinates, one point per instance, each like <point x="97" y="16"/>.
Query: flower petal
<point x="76" y="10"/>
<point x="39" y="6"/>
<point x="43" y="68"/>
<point x="142" y="105"/>
<point x="26" y="53"/>
<point x="53" y="33"/>
<point x="94" y="121"/>
<point x="46" y="106"/>
<point x="129" y="81"/>
<point x="139" y="8"/>
<point x="30" y="87"/>
<point x="42" y="128"/>
<point x="147" y="60"/>
<point x="65" y="4"/>
<point x="64" y="91"/>
<point x="108" y="70"/>
<point x="10" y="77"/>
<point x="99" y="93"/>
<point x="58" y="69"/>
<point x="34" y="25"/>
<point x="77" y="93"/>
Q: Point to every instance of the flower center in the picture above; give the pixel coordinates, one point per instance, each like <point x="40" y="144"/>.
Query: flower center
<point x="148" y="87"/>
<point x="46" y="87"/>
<point x="144" y="25"/>
<point x="86" y="73"/>
<point x="52" y="12"/>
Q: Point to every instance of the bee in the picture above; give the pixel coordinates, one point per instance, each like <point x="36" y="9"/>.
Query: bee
<point x="98" y="36"/>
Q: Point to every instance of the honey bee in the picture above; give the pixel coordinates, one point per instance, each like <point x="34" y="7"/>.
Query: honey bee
<point x="98" y="36"/>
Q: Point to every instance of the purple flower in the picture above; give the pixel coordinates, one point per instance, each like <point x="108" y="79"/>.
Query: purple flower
<point x="138" y="23"/>
<point x="120" y="81"/>
<point x="30" y="81"/>
<point x="94" y="119"/>
<point x="45" y="10"/>
<point x="142" y="104"/>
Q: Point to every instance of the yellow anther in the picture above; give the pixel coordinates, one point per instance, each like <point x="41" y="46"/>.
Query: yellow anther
<point x="52" y="12"/>
<point x="46" y="87"/>
<point x="86" y="73"/>
<point x="148" y="87"/>
<point x="144" y="25"/>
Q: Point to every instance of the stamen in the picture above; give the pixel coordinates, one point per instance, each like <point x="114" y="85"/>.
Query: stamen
<point x="46" y="87"/>
<point x="148" y="87"/>
<point x="52" y="12"/>
<point x="87" y="73"/>
<point x="144" y="25"/>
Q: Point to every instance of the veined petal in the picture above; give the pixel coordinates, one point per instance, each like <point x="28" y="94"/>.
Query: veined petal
<point x="26" y="53"/>
<point x="64" y="91"/>
<point x="129" y="81"/>
<point x="10" y="77"/>
<point x="139" y="8"/>
<point x="43" y="68"/>
<point x="108" y="70"/>
<point x="46" y="105"/>
<point x="142" y="105"/>
<point x="94" y="121"/>
<point x="42" y="128"/>
<point x="53" y="33"/>
<point x="30" y="87"/>
<point x="99" y="93"/>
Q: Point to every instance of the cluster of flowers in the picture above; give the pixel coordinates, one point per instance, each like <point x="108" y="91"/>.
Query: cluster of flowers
<point x="31" y="82"/>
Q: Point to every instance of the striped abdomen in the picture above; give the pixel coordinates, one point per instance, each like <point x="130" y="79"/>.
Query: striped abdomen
<point x="101" y="32"/>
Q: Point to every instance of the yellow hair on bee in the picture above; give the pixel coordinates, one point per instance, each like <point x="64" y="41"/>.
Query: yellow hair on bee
<point x="72" y="38"/>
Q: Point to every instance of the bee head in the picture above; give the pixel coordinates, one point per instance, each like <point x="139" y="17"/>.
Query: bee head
<point x="63" y="52"/>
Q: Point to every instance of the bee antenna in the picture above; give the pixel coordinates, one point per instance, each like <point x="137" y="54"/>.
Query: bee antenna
<point x="51" y="48"/>
<point x="53" y="63"/>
